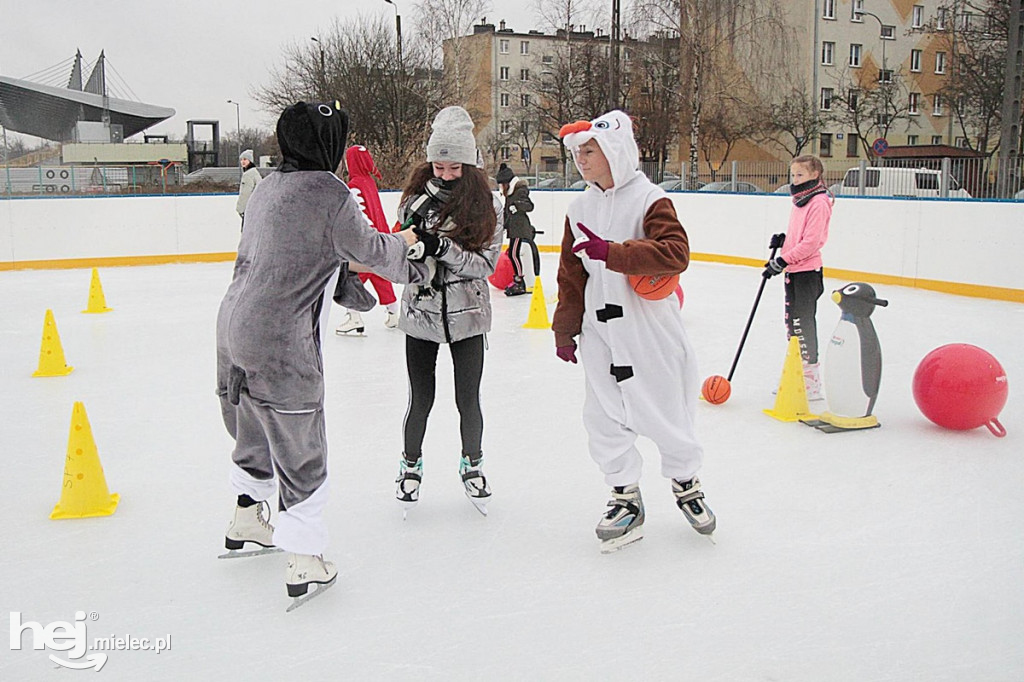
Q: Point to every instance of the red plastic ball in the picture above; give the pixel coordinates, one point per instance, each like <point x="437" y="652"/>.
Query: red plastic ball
<point x="961" y="387"/>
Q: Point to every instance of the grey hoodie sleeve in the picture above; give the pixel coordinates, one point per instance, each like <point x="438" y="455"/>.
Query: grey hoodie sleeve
<point x="354" y="239"/>
<point x="477" y="264"/>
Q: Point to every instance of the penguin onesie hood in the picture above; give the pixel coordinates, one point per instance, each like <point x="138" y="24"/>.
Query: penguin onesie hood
<point x="641" y="373"/>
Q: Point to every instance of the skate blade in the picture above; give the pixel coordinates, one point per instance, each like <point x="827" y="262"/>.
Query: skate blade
<point x="406" y="506"/>
<point x="479" y="504"/>
<point x="246" y="553"/>
<point x="615" y="544"/>
<point x="351" y="332"/>
<point x="320" y="588"/>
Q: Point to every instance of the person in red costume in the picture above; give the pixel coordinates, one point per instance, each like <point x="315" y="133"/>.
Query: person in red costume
<point x="361" y="171"/>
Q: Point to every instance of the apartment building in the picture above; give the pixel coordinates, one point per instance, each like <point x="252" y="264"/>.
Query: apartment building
<point x="881" y="45"/>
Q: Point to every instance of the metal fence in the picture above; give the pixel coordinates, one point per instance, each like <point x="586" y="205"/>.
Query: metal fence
<point x="90" y="180"/>
<point x="920" y="178"/>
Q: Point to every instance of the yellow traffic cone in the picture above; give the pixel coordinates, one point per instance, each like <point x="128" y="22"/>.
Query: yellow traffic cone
<point x="791" y="398"/>
<point x="538" y="318"/>
<point x="97" y="303"/>
<point x="51" y="354"/>
<point x="84" y="492"/>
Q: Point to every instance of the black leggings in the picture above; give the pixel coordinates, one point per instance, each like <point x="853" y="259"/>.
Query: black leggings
<point x="421" y="363"/>
<point x="517" y="262"/>
<point x="803" y="289"/>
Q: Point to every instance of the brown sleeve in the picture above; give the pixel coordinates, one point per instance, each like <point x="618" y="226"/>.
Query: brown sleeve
<point x="572" y="279"/>
<point x="664" y="251"/>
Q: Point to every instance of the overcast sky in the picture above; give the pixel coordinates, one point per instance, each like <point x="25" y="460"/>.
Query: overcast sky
<point x="189" y="55"/>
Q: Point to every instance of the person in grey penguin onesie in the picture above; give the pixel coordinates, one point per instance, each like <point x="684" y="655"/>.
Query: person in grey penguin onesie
<point x="300" y="227"/>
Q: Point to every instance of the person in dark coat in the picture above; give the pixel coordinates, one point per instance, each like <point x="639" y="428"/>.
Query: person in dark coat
<point x="517" y="223"/>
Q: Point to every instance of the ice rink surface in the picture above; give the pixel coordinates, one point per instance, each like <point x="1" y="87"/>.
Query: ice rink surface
<point x="890" y="554"/>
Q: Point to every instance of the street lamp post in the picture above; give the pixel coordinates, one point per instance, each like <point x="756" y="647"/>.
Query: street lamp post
<point x="238" y="128"/>
<point x="884" y="79"/>
<point x="401" y="69"/>
<point x="323" y="69"/>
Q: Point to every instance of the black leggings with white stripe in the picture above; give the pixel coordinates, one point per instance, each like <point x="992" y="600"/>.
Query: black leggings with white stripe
<point x="421" y="363"/>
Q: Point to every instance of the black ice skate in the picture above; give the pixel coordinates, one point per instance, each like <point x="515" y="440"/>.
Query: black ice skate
<point x="623" y="524"/>
<point x="517" y="288"/>
<point x="475" y="482"/>
<point x="410" y="475"/>
<point x="690" y="500"/>
<point x="251" y="525"/>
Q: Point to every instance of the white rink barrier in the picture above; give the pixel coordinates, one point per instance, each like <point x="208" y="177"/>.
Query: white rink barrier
<point x="957" y="246"/>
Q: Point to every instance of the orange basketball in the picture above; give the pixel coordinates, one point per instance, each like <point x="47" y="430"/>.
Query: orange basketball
<point x="654" y="287"/>
<point x="716" y="389"/>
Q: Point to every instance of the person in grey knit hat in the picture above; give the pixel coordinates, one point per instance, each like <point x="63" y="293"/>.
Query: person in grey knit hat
<point x="250" y="178"/>
<point x="458" y="220"/>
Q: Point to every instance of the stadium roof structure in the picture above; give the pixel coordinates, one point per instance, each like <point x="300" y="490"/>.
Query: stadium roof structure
<point x="52" y="112"/>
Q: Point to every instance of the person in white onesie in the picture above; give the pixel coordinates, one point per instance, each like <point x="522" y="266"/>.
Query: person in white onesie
<point x="641" y="373"/>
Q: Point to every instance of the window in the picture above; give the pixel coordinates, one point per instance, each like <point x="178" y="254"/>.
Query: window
<point x="853" y="97"/>
<point x="852" y="144"/>
<point x="855" y="53"/>
<point x="525" y="127"/>
<point x="506" y="153"/>
<point x="826" y="99"/>
<point x="871" y="178"/>
<point x="885" y="75"/>
<point x="915" y="61"/>
<point x="940" y="19"/>
<point x="524" y="74"/>
<point x="547" y="59"/>
<point x="857" y="6"/>
<point x="524" y="47"/>
<point x="506" y="126"/>
<point x="888" y="32"/>
<point x="524" y="100"/>
<point x="962" y="143"/>
<point x="917" y="17"/>
<point x="828" y="53"/>
<point x="936" y="105"/>
<point x="913" y="102"/>
<point x="965" y="21"/>
<point x="503" y="73"/>
<point x="825" y="144"/>
<point x="940" y="62"/>
<point x="961" y="65"/>
<point x="961" y="104"/>
<point x="828" y="9"/>
<point x="503" y="46"/>
<point x="911" y="140"/>
<point x="505" y="99"/>
<point x="883" y="120"/>
<point x="936" y="139"/>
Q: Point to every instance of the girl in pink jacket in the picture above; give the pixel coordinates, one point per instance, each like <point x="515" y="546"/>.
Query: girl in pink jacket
<point x="800" y="258"/>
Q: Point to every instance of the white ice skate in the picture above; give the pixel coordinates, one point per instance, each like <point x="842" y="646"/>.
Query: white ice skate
<point x="391" y="321"/>
<point x="410" y="475"/>
<point x="475" y="483"/>
<point x="305" y="570"/>
<point x="623" y="524"/>
<point x="251" y="524"/>
<point x="352" y="325"/>
<point x="690" y="501"/>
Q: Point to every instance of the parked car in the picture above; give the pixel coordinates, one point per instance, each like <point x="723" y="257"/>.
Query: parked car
<point x="579" y="184"/>
<point x="726" y="186"/>
<point x="899" y="182"/>
<point x="782" y="189"/>
<point x="1019" y="196"/>
<point x="675" y="185"/>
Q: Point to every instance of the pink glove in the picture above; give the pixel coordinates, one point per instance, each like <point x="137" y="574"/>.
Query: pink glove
<point x="566" y="353"/>
<point x="596" y="248"/>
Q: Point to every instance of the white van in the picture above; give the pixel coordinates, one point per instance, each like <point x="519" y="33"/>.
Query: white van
<point x="899" y="182"/>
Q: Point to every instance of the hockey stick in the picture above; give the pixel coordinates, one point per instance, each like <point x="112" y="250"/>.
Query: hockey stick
<point x="750" y="320"/>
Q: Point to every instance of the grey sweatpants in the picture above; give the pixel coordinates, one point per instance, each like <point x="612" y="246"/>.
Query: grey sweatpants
<point x="284" y="452"/>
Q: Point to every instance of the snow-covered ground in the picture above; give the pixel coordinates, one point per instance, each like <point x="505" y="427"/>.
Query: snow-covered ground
<point x="890" y="554"/>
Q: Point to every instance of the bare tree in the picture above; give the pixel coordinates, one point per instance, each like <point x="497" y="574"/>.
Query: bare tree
<point x="792" y="121"/>
<point x="870" y="107"/>
<point x="442" y="23"/>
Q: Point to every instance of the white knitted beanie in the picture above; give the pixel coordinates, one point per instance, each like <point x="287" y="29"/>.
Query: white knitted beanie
<point x="451" y="139"/>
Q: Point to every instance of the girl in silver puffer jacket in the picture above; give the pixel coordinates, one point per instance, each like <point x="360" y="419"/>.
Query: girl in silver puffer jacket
<point x="458" y="221"/>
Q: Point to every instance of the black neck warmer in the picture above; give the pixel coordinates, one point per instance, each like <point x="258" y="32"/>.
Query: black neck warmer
<point x="803" y="192"/>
